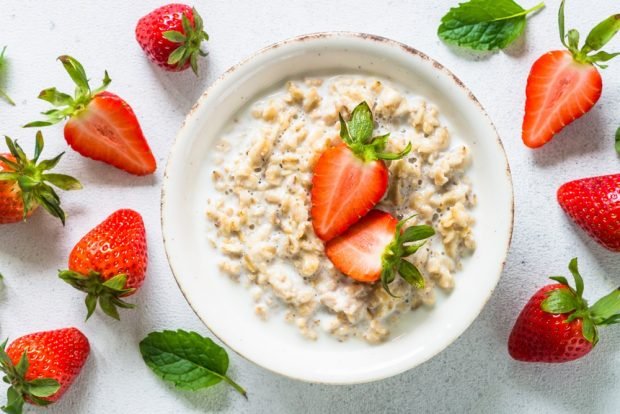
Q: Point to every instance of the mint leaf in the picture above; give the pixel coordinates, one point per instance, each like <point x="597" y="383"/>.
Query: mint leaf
<point x="484" y="24"/>
<point x="618" y="141"/>
<point x="186" y="359"/>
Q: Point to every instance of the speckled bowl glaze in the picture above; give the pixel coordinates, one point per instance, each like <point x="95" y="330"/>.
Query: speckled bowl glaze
<point x="226" y="308"/>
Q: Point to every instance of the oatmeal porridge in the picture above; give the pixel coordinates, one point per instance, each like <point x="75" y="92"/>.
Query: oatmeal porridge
<point x="260" y="210"/>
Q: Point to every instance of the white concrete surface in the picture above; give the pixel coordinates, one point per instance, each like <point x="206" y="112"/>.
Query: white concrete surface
<point x="475" y="374"/>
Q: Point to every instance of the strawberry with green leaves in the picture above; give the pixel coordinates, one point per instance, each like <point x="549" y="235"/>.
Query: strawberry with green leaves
<point x="100" y="125"/>
<point x="350" y="178"/>
<point x="376" y="247"/>
<point x="40" y="367"/>
<point x="558" y="325"/>
<point x="565" y="84"/>
<point x="26" y="184"/>
<point x="171" y="36"/>
<point x="109" y="263"/>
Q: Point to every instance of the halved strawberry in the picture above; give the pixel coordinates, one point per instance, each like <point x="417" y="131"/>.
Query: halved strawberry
<point x="101" y="125"/>
<point x="565" y="84"/>
<point x="375" y="247"/>
<point x="349" y="179"/>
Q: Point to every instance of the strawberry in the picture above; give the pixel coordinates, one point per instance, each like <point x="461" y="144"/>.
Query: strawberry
<point x="171" y="36"/>
<point x="40" y="367"/>
<point x="557" y="325"/>
<point x="101" y="125"/>
<point x="565" y="84"/>
<point x="375" y="247"/>
<point x="350" y="178"/>
<point x="24" y="183"/>
<point x="109" y="262"/>
<point x="594" y="204"/>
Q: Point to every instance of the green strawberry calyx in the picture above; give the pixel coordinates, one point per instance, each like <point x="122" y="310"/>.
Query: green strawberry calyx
<point x="189" y="41"/>
<point x="404" y="245"/>
<point x="66" y="105"/>
<point x="21" y="390"/>
<point x="32" y="178"/>
<point x="570" y="301"/>
<point x="357" y="134"/>
<point x="107" y="293"/>
<point x="598" y="37"/>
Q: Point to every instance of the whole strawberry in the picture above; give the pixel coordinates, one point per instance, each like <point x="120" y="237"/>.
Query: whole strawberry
<point x="171" y="36"/>
<point x="109" y="262"/>
<point x="40" y="367"/>
<point x="564" y="85"/>
<point x="594" y="204"/>
<point x="100" y="125"/>
<point x="24" y="183"/>
<point x="557" y="325"/>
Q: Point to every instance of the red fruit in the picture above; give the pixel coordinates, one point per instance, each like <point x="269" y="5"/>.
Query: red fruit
<point x="171" y="36"/>
<point x="594" y="204"/>
<point x="109" y="262"/>
<point x="349" y="179"/>
<point x="556" y="325"/>
<point x="374" y="248"/>
<point x="565" y="84"/>
<point x="24" y="183"/>
<point x="109" y="131"/>
<point x="101" y="125"/>
<point x="52" y="360"/>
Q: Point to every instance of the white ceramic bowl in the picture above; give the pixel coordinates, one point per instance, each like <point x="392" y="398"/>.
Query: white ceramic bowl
<point x="226" y="307"/>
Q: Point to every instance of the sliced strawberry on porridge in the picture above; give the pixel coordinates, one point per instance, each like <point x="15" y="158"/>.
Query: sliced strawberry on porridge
<point x="349" y="179"/>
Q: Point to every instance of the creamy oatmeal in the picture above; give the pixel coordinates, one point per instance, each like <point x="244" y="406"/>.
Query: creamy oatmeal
<point x="260" y="211"/>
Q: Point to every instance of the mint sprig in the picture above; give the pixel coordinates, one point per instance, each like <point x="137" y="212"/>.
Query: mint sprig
<point x="484" y="25"/>
<point x="187" y="359"/>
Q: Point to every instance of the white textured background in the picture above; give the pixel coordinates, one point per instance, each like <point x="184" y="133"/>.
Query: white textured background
<point x="475" y="374"/>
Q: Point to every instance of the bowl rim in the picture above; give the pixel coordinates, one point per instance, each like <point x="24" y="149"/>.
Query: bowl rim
<point x="320" y="36"/>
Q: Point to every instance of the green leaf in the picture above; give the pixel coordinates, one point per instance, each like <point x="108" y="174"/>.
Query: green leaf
<point x="573" y="40"/>
<point x="38" y="146"/>
<point x="411" y="249"/>
<point x="3" y="77"/>
<point x="91" y="305"/>
<point x="417" y="233"/>
<point x="62" y="181"/>
<point x="411" y="274"/>
<point x="56" y="98"/>
<point x="560" y="301"/>
<point x="77" y="73"/>
<point x="606" y="307"/>
<point x="588" y="330"/>
<point x="618" y="140"/>
<point x="46" y="165"/>
<point x="14" y="402"/>
<point x="116" y="283"/>
<point x="573" y="267"/>
<point x="559" y="279"/>
<point x="174" y="36"/>
<point x="176" y="56"/>
<point x="603" y="32"/>
<point x="43" y="387"/>
<point x="561" y="24"/>
<point x="186" y="359"/>
<point x="361" y="124"/>
<point x="105" y="302"/>
<point x="394" y="155"/>
<point x="344" y="130"/>
<point x="484" y="24"/>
